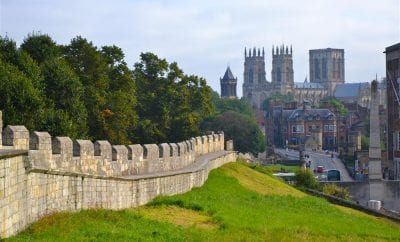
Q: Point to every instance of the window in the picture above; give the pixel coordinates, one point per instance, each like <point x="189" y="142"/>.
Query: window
<point x="398" y="140"/>
<point x="251" y="76"/>
<point x="299" y="128"/>
<point x="329" y="128"/>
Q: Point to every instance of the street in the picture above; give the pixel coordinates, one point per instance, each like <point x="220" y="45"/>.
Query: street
<point x="319" y="159"/>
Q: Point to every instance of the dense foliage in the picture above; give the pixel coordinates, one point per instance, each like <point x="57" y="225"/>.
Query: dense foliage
<point x="304" y="178"/>
<point x="83" y="91"/>
<point x="235" y="105"/>
<point x="246" y="135"/>
<point x="277" y="97"/>
<point x="335" y="104"/>
<point x="332" y="189"/>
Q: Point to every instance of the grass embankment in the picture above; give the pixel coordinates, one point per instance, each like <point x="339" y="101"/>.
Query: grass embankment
<point x="237" y="203"/>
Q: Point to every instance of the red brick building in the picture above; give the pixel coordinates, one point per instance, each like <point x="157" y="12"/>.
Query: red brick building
<point x="295" y="126"/>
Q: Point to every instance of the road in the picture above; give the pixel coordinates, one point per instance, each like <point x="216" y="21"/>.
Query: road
<point x="319" y="159"/>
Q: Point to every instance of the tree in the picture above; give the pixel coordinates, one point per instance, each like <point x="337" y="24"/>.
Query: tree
<point x="277" y="97"/>
<point x="333" y="102"/>
<point x="22" y="102"/>
<point x="171" y="105"/>
<point x="236" y="105"/>
<point x="40" y="47"/>
<point x="246" y="135"/>
<point x="65" y="92"/>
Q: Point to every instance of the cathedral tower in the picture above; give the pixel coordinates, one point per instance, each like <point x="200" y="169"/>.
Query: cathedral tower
<point x="254" y="76"/>
<point x="282" y="69"/>
<point x="228" y="84"/>
<point x="327" y="68"/>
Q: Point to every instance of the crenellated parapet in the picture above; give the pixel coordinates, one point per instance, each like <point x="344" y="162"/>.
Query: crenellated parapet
<point x="103" y="159"/>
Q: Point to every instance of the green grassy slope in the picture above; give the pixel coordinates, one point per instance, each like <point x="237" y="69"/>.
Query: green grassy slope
<point x="237" y="203"/>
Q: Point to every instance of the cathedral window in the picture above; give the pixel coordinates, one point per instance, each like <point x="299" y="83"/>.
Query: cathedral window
<point x="334" y="68"/>
<point x="278" y="74"/>
<point x="324" y="68"/>
<point x="287" y="74"/>
<point x="316" y="69"/>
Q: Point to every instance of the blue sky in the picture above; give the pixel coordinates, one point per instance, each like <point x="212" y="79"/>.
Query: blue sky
<point x="204" y="36"/>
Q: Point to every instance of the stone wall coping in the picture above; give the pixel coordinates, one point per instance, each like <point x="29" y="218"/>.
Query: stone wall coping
<point x="351" y="204"/>
<point x="8" y="153"/>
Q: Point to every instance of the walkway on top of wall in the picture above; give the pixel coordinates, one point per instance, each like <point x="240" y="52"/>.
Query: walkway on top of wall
<point x="198" y="164"/>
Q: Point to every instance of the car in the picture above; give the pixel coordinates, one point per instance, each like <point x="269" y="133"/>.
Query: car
<point x="320" y="169"/>
<point x="333" y="175"/>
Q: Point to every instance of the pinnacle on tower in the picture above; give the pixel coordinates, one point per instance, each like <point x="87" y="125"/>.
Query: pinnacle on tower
<point x="263" y="53"/>
<point x="291" y="50"/>
<point x="254" y="51"/>
<point x="273" y="50"/>
<point x="258" y="52"/>
<point x="287" y="50"/>
<point x="277" y="51"/>
<point x="245" y="52"/>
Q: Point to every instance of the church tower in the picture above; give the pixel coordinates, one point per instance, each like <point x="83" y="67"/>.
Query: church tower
<point x="254" y="76"/>
<point x="228" y="84"/>
<point x="282" y="70"/>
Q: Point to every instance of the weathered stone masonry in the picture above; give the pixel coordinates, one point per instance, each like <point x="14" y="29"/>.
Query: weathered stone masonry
<point x="40" y="175"/>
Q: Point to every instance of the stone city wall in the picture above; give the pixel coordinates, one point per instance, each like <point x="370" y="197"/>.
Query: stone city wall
<point x="40" y="175"/>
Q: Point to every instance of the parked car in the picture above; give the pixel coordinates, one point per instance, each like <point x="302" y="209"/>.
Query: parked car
<point x="333" y="175"/>
<point x="320" y="169"/>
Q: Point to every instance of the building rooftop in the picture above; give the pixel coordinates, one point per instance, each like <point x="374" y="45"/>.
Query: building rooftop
<point x="316" y="114"/>
<point x="308" y="85"/>
<point x="228" y="74"/>
<point x="350" y="89"/>
<point x="392" y="48"/>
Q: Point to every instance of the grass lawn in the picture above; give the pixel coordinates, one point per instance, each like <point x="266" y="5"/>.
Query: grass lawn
<point x="237" y="203"/>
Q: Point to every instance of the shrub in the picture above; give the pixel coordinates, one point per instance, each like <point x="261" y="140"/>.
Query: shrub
<point x="332" y="189"/>
<point x="304" y="178"/>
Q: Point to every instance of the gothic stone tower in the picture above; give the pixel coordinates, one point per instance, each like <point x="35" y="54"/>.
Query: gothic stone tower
<point x="254" y="82"/>
<point x="282" y="70"/>
<point x="228" y="84"/>
<point x="327" y="68"/>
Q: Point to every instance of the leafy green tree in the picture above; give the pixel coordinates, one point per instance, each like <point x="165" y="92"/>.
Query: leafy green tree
<point x="171" y="105"/>
<point x="21" y="101"/>
<point x="333" y="102"/>
<point x="86" y="61"/>
<point x="246" y="135"/>
<point x="277" y="97"/>
<point x="65" y="92"/>
<point x="40" y="47"/>
<point x="236" y="105"/>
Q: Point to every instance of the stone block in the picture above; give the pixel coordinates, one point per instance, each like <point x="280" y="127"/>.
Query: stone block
<point x="135" y="153"/>
<point x="40" y="141"/>
<point x="164" y="151"/>
<point x="62" y="153"/>
<point x="210" y="143"/>
<point x="204" y="140"/>
<point x="229" y="145"/>
<point x="16" y="136"/>
<point x="103" y="157"/>
<point x="199" y="146"/>
<point x="221" y="137"/>
<point x="120" y="155"/>
<point x="151" y="156"/>
<point x="84" y="149"/>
